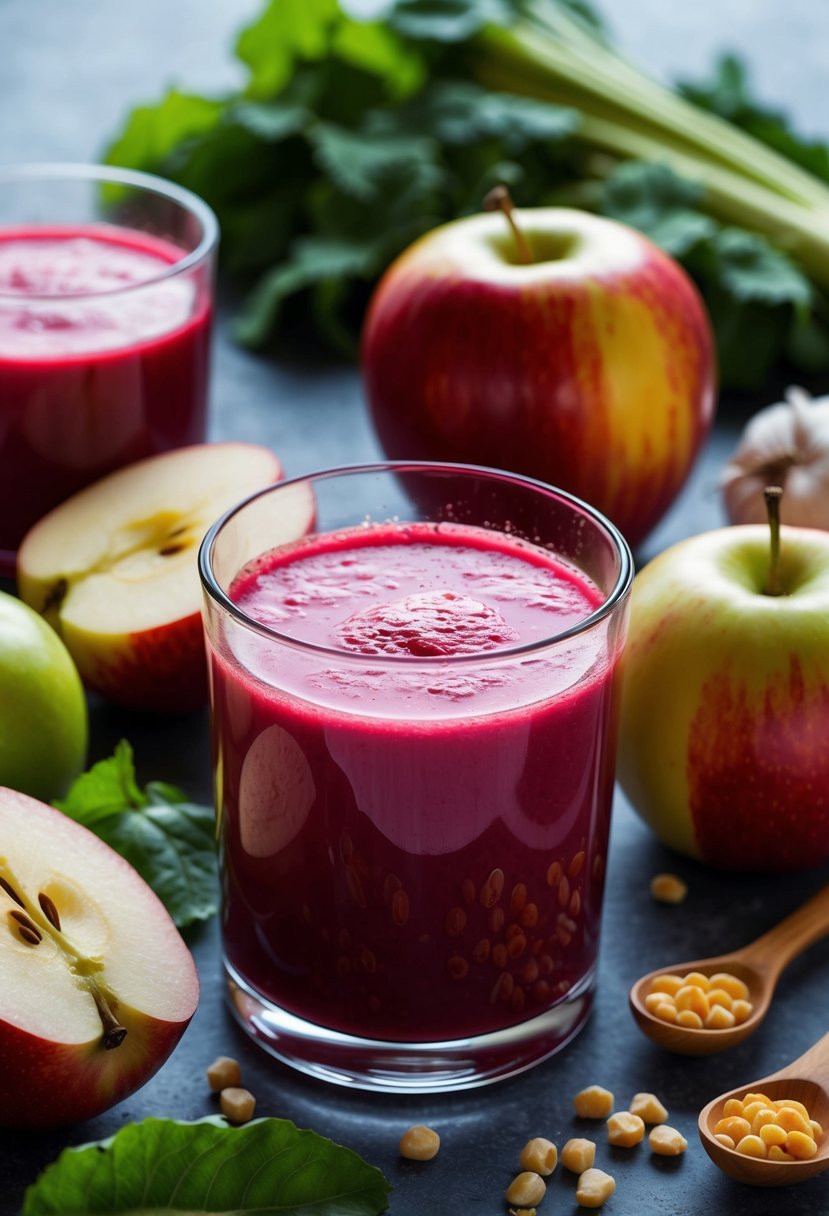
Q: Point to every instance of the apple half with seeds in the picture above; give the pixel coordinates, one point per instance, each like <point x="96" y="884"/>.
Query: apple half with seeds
<point x="114" y="569"/>
<point x="96" y="985"/>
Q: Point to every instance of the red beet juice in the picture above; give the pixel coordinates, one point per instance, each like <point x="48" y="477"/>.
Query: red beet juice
<point x="103" y="360"/>
<point x="414" y="797"/>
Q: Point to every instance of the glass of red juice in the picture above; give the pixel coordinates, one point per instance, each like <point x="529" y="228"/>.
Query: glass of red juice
<point x="106" y="287"/>
<point x="414" y="688"/>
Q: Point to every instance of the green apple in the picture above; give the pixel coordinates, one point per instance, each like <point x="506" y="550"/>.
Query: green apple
<point x="43" y="714"/>
<point x="724" y="746"/>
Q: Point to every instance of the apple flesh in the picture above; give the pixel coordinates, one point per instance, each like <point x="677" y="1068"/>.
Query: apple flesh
<point x="592" y="368"/>
<point x="114" y="569"/>
<point x="725" y="710"/>
<point x="96" y="985"/>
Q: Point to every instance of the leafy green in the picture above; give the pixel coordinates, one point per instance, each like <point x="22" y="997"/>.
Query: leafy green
<point x="161" y="1166"/>
<point x="352" y="137"/>
<point x="168" y="840"/>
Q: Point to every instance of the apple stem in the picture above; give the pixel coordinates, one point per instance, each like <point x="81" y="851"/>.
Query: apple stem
<point x="498" y="199"/>
<point x="772" y="495"/>
<point x="114" y="1032"/>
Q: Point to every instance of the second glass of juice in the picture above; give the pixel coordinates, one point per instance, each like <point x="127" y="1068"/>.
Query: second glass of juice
<point x="106" y="285"/>
<point x="415" y="675"/>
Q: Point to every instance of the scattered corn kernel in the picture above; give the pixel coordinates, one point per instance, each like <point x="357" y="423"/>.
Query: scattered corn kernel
<point x="701" y="995"/>
<point x="624" y="1130"/>
<point x="526" y="1189"/>
<point x="539" y="1155"/>
<point x="726" y="1141"/>
<point x="419" y="1143"/>
<point x="751" y="1146"/>
<point x="667" y="1141"/>
<point x="594" y="1188"/>
<point x="648" y="1108"/>
<point x="237" y="1104"/>
<point x="523" y="1212"/>
<point x="595" y="1102"/>
<point x="578" y="1155"/>
<point x="224" y="1073"/>
<point x="800" y="1145"/>
<point x="668" y="888"/>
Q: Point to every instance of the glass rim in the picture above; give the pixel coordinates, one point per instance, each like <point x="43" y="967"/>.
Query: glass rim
<point x="614" y="597"/>
<point x="151" y="183"/>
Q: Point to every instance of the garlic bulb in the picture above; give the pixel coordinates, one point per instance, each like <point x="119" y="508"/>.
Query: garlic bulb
<point x="788" y="445"/>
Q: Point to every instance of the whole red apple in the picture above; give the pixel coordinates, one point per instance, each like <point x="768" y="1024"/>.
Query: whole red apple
<point x="96" y="985"/>
<point x="590" y="367"/>
<point x="724" y="742"/>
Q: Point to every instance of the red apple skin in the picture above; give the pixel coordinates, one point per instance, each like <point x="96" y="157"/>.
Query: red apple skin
<point x="725" y="710"/>
<point x="595" y="376"/>
<point x="46" y="1084"/>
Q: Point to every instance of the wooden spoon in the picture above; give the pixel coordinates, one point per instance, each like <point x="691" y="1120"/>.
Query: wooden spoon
<point x="759" y="966"/>
<point x="805" y="1079"/>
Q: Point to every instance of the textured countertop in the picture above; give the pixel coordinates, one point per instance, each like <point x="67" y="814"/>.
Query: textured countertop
<point x="69" y="73"/>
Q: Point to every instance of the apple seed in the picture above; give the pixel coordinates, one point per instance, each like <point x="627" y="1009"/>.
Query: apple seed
<point x="49" y="910"/>
<point x="25" y="928"/>
<point x="10" y="891"/>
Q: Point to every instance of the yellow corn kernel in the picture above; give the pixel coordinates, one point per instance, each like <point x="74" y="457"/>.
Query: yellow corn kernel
<point x="800" y="1146"/>
<point x="237" y="1105"/>
<point x="751" y="1146"/>
<point x="734" y="1126"/>
<point x="648" y="1108"/>
<point x="526" y="1190"/>
<point x="594" y="1188"/>
<point x="667" y="1012"/>
<point x="687" y="1017"/>
<point x="578" y="1155"/>
<point x="419" y="1143"/>
<point x="771" y="1134"/>
<point x="792" y="1103"/>
<point x="691" y="997"/>
<point x="726" y="1141"/>
<point x="667" y="1141"/>
<point x="732" y="985"/>
<point x="791" y="1120"/>
<point x="776" y="1153"/>
<point x="595" y="1102"/>
<point x="668" y="888"/>
<point x="539" y="1155"/>
<point x="758" y="1097"/>
<point x="624" y="1130"/>
<point x="695" y="979"/>
<point x="817" y="1130"/>
<point x="750" y="1109"/>
<point x="733" y="1107"/>
<point x="764" y="1115"/>
<point x="742" y="1011"/>
<point x="719" y="1018"/>
<point x="667" y="983"/>
<point x="719" y="996"/>
<point x="654" y="999"/>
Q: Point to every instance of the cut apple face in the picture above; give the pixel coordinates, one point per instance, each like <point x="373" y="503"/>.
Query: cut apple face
<point x="96" y="985"/>
<point x="114" y="569"/>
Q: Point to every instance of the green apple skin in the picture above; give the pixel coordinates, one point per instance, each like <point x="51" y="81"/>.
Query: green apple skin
<point x="44" y="725"/>
<point x="724" y="745"/>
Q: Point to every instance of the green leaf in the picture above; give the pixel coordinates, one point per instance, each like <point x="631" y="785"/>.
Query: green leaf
<point x="168" y="840"/>
<point x="753" y="270"/>
<point x="158" y="1166"/>
<point x="376" y="48"/>
<point x="152" y="133"/>
<point x="459" y="113"/>
<point x="448" y="20"/>
<point x="360" y="164"/>
<point x="660" y="204"/>
<point x="286" y="31"/>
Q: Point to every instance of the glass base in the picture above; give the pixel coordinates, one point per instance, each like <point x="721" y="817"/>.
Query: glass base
<point x="378" y="1064"/>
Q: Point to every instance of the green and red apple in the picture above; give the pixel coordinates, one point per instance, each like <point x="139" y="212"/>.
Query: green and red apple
<point x="589" y="365"/>
<point x="724" y="745"/>
<point x="114" y="569"/>
<point x="96" y="985"/>
<point x="43" y="714"/>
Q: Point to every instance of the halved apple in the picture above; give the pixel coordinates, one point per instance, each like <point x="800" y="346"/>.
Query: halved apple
<point x="113" y="569"/>
<point x="96" y="985"/>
